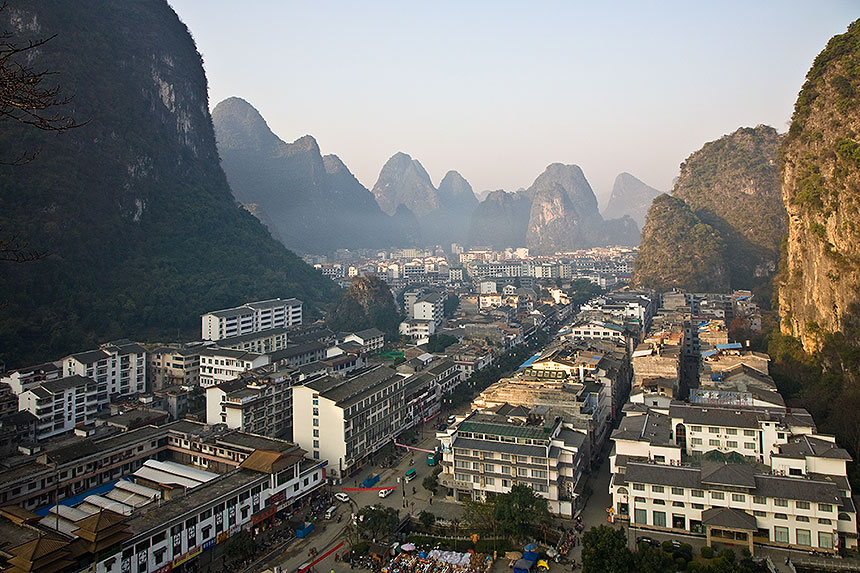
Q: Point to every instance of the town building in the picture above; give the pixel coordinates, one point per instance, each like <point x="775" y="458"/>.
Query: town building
<point x="251" y="317"/>
<point x="488" y="453"/>
<point x="219" y="365"/>
<point x="173" y="365"/>
<point x="61" y="404"/>
<point x="344" y="421"/>
<point x="256" y="402"/>
<point x="120" y="366"/>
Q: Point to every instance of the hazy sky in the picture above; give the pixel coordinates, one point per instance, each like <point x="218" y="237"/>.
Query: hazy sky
<point x="498" y="90"/>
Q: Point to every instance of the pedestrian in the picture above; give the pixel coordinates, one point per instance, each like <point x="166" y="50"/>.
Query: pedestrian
<point x="431" y="499"/>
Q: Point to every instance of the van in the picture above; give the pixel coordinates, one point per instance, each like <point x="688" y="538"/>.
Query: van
<point x="329" y="513"/>
<point x="411" y="474"/>
<point x="386" y="492"/>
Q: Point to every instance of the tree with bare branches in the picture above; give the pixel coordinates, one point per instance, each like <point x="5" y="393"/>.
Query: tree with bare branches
<point x="27" y="97"/>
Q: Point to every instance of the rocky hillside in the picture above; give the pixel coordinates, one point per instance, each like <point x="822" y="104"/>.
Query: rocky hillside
<point x="573" y="221"/>
<point x="367" y="303"/>
<point x="820" y="287"/>
<point x="731" y="185"/>
<point x="679" y="250"/>
<point x="141" y="230"/>
<point x="630" y="197"/>
<point x="443" y="214"/>
<point x="500" y="220"/>
<point x="310" y="202"/>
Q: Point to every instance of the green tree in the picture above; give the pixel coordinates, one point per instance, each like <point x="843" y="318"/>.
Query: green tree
<point x="377" y="522"/>
<point x="519" y="510"/>
<point x="439" y="342"/>
<point x="240" y="546"/>
<point x="451" y="304"/>
<point x="427" y="519"/>
<point x="604" y="550"/>
<point x="430" y="483"/>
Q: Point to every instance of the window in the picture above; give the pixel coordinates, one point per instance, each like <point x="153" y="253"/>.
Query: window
<point x="490" y="481"/>
<point x="780" y="502"/>
<point x="802" y="519"/>
<point x="825" y="540"/>
<point x="749" y="445"/>
<point x="825" y="507"/>
<point x="804" y="537"/>
<point x="316" y="433"/>
<point x="316" y="422"/>
<point x="639" y="499"/>
<point x="639" y="487"/>
<point x="659" y="518"/>
<point x="677" y="491"/>
<point x="780" y="516"/>
<point x="697" y="506"/>
<point x="759" y="499"/>
<point x="489" y="468"/>
<point x="677" y="504"/>
<point x="522" y="472"/>
<point x="697" y="493"/>
<point x="759" y="513"/>
<point x="316" y="443"/>
<point x="159" y="538"/>
<point x="718" y="495"/>
<point x="731" y="444"/>
<point x="539" y="474"/>
<point x="802" y="504"/>
<point x="824" y="521"/>
<point x="749" y="433"/>
<point x="659" y="502"/>
<point x="506" y="470"/>
<point x="695" y="428"/>
<point x="696" y="441"/>
<point x="739" y="497"/>
<point x="715" y="443"/>
<point x="731" y="431"/>
<point x="506" y="483"/>
<point x="640" y="516"/>
<point x="657" y="488"/>
<point x="713" y="430"/>
<point x="780" y="534"/>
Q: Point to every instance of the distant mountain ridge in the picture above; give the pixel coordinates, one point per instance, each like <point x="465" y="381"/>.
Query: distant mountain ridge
<point x="310" y="202"/>
<point x="630" y="197"/>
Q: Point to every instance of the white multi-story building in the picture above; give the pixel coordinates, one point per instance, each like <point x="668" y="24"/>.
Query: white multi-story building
<point x="490" y="453"/>
<point x="346" y="420"/>
<point x="120" y="365"/>
<point x="262" y="342"/>
<point x="30" y="377"/>
<point x="371" y="339"/>
<point x="792" y="489"/>
<point x="170" y="366"/>
<point x="417" y="329"/>
<point x="63" y="403"/>
<point x="219" y="365"/>
<point x="251" y="317"/>
<point x="430" y="307"/>
<point x="261" y="404"/>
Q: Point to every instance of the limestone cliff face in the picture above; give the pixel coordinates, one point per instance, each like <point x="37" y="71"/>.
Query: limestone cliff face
<point x="630" y="197"/>
<point x="733" y="185"/>
<point x="310" y="202"/>
<point x="564" y="214"/>
<point x="554" y="224"/>
<point x="404" y="180"/>
<point x="500" y="220"/>
<point x="820" y="284"/>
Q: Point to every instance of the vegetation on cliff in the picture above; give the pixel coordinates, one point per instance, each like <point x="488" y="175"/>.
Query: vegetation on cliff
<point x="679" y="250"/>
<point x="820" y="285"/>
<point x="140" y="226"/>
<point x="367" y="303"/>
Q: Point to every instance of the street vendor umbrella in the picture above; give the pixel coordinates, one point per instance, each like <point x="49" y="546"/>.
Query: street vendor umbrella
<point x="531" y="547"/>
<point x="423" y="555"/>
<point x="408" y="547"/>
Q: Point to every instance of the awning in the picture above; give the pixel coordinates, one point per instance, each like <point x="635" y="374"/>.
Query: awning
<point x="264" y="514"/>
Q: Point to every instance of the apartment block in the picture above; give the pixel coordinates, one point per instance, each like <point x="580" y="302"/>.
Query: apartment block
<point x="64" y="403"/>
<point x="251" y="317"/>
<point x="487" y="454"/>
<point x="259" y="403"/>
<point x="219" y="365"/>
<point x="346" y="420"/>
<point x="173" y="366"/>
<point x="120" y="365"/>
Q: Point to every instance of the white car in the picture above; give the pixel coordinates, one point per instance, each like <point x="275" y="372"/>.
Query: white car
<point x="386" y="492"/>
<point x="340" y="496"/>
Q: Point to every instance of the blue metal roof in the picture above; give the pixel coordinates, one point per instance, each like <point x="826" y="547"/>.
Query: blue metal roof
<point x="708" y="353"/>
<point x="729" y="346"/>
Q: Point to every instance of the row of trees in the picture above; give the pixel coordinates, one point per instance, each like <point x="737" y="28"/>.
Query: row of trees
<point x="604" y="550"/>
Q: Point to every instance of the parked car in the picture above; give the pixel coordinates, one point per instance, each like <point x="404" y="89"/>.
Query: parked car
<point x="451" y="419"/>
<point x="342" y="497"/>
<point x="648" y="540"/>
